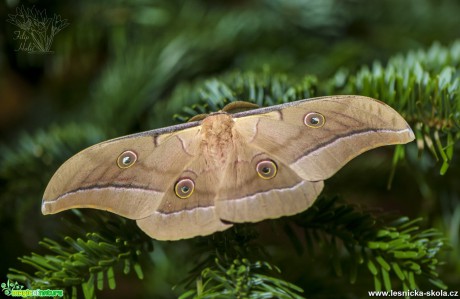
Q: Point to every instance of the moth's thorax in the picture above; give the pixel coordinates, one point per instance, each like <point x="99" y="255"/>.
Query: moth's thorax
<point x="217" y="137"/>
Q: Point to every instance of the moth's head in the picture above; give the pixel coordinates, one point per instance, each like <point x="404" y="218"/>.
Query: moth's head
<point x="230" y="108"/>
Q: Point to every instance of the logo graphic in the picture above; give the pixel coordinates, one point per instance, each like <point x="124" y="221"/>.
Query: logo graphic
<point x="36" y="31"/>
<point x="14" y="289"/>
<point x="7" y="288"/>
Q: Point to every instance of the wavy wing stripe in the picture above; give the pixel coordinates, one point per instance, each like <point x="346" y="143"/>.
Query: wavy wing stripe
<point x="352" y="134"/>
<point x="111" y="187"/>
<point x="190" y="211"/>
<point x="270" y="204"/>
<point x="321" y="162"/>
<point x="182" y="224"/>
<point x="267" y="193"/>
<point x="130" y="202"/>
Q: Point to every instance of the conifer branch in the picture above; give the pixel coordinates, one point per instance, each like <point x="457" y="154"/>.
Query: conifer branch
<point x="87" y="261"/>
<point x="392" y="249"/>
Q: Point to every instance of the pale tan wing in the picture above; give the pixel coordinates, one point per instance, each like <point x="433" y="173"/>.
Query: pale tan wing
<point x="353" y="125"/>
<point x="182" y="218"/>
<point x="244" y="196"/>
<point x="93" y="179"/>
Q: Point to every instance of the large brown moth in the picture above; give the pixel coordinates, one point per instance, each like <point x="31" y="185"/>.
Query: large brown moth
<point x="201" y="177"/>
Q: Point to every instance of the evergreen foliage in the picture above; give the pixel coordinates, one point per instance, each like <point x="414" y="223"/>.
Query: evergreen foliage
<point x="87" y="260"/>
<point x="123" y="67"/>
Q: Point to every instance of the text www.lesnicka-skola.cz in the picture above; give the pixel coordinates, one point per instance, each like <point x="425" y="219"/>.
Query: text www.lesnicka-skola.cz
<point x="414" y="293"/>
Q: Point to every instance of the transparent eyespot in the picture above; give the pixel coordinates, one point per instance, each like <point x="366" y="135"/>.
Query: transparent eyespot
<point x="266" y="169"/>
<point x="126" y="159"/>
<point x="314" y="120"/>
<point x="184" y="188"/>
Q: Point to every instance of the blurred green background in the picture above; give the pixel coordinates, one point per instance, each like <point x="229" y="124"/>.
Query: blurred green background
<point x="121" y="67"/>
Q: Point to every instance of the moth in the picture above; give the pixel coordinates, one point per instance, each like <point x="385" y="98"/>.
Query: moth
<point x="201" y="177"/>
